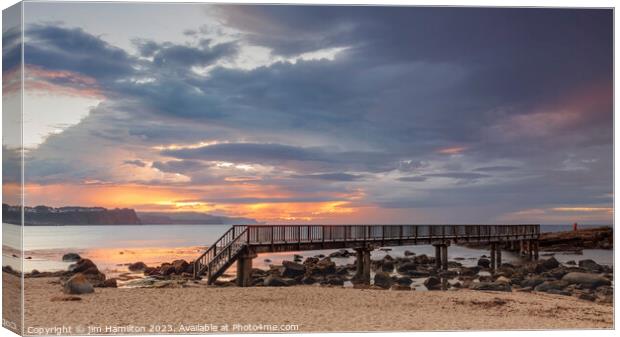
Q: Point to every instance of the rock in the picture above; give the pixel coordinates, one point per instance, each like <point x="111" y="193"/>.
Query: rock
<point x="324" y="267"/>
<point x="557" y="273"/>
<point x="549" y="263"/>
<point x="551" y="285"/>
<point x="82" y="265"/>
<point x="308" y="280"/>
<point x="274" y="281"/>
<point x="559" y="292"/>
<point x="571" y="262"/>
<point x="590" y="265"/>
<point x="166" y="269"/>
<point x="137" y="266"/>
<point x="409" y="253"/>
<point x="311" y="260"/>
<point x="71" y="257"/>
<point x="406" y="267"/>
<point x="503" y="280"/>
<point x="387" y="266"/>
<point x="383" y="280"/>
<point x="340" y="254"/>
<point x="110" y="283"/>
<point x="447" y="273"/>
<point x="586" y="280"/>
<point x="292" y="269"/>
<point x="469" y="271"/>
<point x="432" y="283"/>
<point x="405" y="281"/>
<point x="587" y="297"/>
<point x="484" y="262"/>
<point x="491" y="286"/>
<point x="532" y="281"/>
<point x="335" y="280"/>
<point x="267" y="260"/>
<point x="400" y="287"/>
<point x="417" y="273"/>
<point x="78" y="284"/>
<point x="179" y="266"/>
<point x="422" y="259"/>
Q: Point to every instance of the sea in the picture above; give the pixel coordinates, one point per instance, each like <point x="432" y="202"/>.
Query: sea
<point x="112" y="248"/>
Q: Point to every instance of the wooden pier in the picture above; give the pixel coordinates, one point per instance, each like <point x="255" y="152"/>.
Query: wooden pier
<point x="242" y="243"/>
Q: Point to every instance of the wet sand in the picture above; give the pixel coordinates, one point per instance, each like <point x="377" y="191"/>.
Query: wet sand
<point x="312" y="308"/>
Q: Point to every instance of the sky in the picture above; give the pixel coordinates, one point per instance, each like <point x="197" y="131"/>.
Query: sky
<point x="318" y="114"/>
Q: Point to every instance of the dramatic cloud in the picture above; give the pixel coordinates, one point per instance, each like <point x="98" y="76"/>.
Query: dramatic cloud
<point x="335" y="113"/>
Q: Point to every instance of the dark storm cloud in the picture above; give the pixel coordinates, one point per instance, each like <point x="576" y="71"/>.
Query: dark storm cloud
<point x="330" y="176"/>
<point x="527" y="87"/>
<point x="73" y="49"/>
<point x="286" y="155"/>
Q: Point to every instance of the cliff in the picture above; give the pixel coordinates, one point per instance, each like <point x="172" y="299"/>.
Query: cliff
<point x="43" y="215"/>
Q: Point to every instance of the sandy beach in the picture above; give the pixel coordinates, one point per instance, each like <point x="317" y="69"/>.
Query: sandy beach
<point x="311" y="308"/>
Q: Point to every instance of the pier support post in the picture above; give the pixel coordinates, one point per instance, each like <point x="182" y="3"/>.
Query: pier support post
<point x="362" y="265"/>
<point x="536" y="250"/>
<point x="530" y="250"/>
<point x="493" y="248"/>
<point x="444" y="257"/>
<point x="498" y="257"/>
<point x="437" y="256"/>
<point x="244" y="268"/>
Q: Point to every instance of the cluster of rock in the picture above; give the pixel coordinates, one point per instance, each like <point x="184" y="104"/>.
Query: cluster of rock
<point x="585" y="279"/>
<point x="591" y="238"/>
<point x="81" y="277"/>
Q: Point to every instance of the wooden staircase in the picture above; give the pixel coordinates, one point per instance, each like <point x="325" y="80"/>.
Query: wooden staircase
<point x="222" y="254"/>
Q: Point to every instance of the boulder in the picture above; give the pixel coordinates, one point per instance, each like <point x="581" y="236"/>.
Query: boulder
<point x="586" y="280"/>
<point x="417" y="273"/>
<point x="311" y="260"/>
<point x="484" y="262"/>
<point x="550" y="263"/>
<point x="292" y="269"/>
<point x="82" y="265"/>
<point x="551" y="285"/>
<point x="137" y="266"/>
<point x="491" y="286"/>
<point x="340" y="254"/>
<point x="469" y="271"/>
<point x="166" y="269"/>
<point x="383" y="280"/>
<point x="335" y="280"/>
<point x="409" y="253"/>
<point x="405" y="281"/>
<point x="406" y="267"/>
<point x="324" y="267"/>
<point x="387" y="266"/>
<point x="590" y="265"/>
<point x="503" y="280"/>
<point x="559" y="292"/>
<point x="274" y="281"/>
<point x="532" y="281"/>
<point x="110" y="283"/>
<point x="71" y="257"/>
<point x="78" y="284"/>
<point x="432" y="283"/>
<point x="179" y="266"/>
<point x="308" y="280"/>
<point x="422" y="259"/>
<point x="587" y="297"/>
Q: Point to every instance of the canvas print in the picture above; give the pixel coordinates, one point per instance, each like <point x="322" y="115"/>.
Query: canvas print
<point x="188" y="168"/>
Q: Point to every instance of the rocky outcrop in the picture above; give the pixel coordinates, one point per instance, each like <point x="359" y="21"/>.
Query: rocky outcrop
<point x="586" y="280"/>
<point x="601" y="238"/>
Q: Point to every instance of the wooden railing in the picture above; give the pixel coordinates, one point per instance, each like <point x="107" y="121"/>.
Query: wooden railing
<point x="276" y="234"/>
<point x="223" y="247"/>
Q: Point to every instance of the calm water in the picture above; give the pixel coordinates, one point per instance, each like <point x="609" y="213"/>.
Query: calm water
<point x="112" y="247"/>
